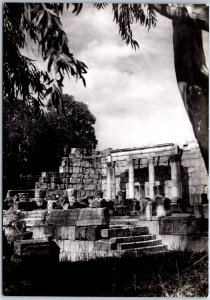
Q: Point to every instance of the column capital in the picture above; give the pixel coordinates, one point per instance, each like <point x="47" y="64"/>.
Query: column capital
<point x="130" y="160"/>
<point x="175" y="158"/>
<point x="110" y="164"/>
<point x="151" y="160"/>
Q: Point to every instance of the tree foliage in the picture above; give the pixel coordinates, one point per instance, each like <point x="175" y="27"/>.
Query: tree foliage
<point x="39" y="23"/>
<point x="33" y="143"/>
<point x="126" y="14"/>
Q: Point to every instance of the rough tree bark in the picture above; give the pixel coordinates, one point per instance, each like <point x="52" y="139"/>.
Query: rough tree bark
<point x="190" y="64"/>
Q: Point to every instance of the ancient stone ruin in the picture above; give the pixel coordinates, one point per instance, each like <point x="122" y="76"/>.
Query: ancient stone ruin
<point x="139" y="200"/>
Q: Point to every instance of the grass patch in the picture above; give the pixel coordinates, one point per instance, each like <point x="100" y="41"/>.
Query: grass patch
<point x="171" y="274"/>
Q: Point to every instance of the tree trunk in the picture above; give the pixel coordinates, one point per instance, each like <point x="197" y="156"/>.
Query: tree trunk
<point x="190" y="65"/>
<point x="191" y="14"/>
<point x="192" y="80"/>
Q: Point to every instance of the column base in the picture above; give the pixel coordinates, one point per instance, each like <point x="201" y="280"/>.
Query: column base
<point x="175" y="208"/>
<point x="119" y="210"/>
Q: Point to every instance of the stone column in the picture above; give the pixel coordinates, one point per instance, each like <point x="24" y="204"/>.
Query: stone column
<point x="148" y="211"/>
<point x="131" y="190"/>
<point x="151" y="169"/>
<point x="113" y="181"/>
<point x="109" y="181"/>
<point x="175" y="177"/>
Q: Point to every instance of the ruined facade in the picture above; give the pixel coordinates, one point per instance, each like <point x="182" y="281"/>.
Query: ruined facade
<point x="89" y="207"/>
<point x="142" y="172"/>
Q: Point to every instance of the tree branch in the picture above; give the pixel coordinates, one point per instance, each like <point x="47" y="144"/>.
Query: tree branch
<point x="190" y="14"/>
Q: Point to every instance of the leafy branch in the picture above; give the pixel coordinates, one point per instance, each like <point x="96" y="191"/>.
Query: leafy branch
<point x="127" y="14"/>
<point x="41" y="23"/>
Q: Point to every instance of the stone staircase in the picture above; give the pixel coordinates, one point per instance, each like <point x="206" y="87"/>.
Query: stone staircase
<point x="121" y="221"/>
<point x="124" y="235"/>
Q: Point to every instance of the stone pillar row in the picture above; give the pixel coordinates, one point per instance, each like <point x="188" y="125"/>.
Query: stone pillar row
<point x="175" y="178"/>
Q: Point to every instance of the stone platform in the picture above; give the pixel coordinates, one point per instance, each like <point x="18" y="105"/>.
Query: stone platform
<point x="91" y="232"/>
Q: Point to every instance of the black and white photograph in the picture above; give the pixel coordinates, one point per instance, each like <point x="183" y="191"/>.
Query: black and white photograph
<point x="105" y="141"/>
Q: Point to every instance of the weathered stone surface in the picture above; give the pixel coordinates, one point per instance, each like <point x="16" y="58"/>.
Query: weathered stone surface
<point x="40" y="232"/>
<point x="81" y="232"/>
<point x="160" y="210"/>
<point x="9" y="217"/>
<point x="119" y="210"/>
<point x="63" y="217"/>
<point x="201" y="211"/>
<point x="93" y="216"/>
<point x="105" y="245"/>
<point x="93" y="233"/>
<point x="22" y="236"/>
<point x="40" y="214"/>
<point x="30" y="222"/>
<point x="34" y="218"/>
<point x="40" y="203"/>
<point x="12" y="193"/>
<point x="130" y="206"/>
<point x="178" y="226"/>
<point x="121" y="232"/>
<point x="20" y="225"/>
<point x="40" y="193"/>
<point x="65" y="233"/>
<point x="31" y="247"/>
<point x="94" y="203"/>
<point x="25" y="205"/>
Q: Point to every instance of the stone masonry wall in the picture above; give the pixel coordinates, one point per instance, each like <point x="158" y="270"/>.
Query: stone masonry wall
<point x="193" y="172"/>
<point x="75" y="172"/>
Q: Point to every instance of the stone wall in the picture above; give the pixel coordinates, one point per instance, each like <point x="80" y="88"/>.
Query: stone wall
<point x="193" y="173"/>
<point x="75" y="172"/>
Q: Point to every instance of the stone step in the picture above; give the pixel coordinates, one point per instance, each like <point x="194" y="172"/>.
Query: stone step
<point x="105" y="245"/>
<point x="33" y="221"/>
<point x="140" y="244"/>
<point x="121" y="217"/>
<point x="124" y="231"/>
<point x="148" y="249"/>
<point x="133" y="239"/>
<point x="32" y="247"/>
<point x="34" y="214"/>
<point x="126" y="221"/>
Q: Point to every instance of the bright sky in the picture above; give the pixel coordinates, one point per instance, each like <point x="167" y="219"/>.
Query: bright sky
<point x="133" y="94"/>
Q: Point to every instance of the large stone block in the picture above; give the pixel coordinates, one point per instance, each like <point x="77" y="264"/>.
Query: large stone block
<point x="39" y="213"/>
<point x="21" y="236"/>
<point x="34" y="218"/>
<point x="65" y="233"/>
<point x="81" y="232"/>
<point x="25" y="205"/>
<point x="12" y="193"/>
<point x="195" y="198"/>
<point x="93" y="216"/>
<point x="201" y="211"/>
<point x="9" y="217"/>
<point x="63" y="217"/>
<point x="178" y="226"/>
<point x="31" y="247"/>
<point x="93" y="233"/>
